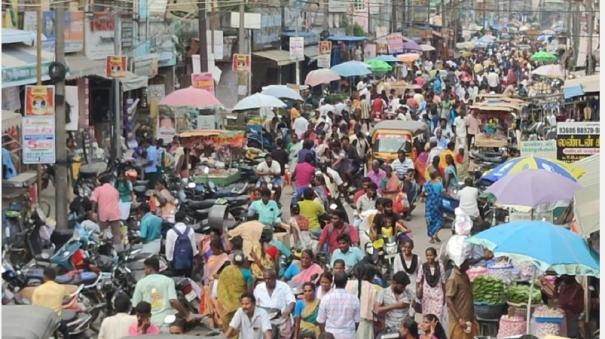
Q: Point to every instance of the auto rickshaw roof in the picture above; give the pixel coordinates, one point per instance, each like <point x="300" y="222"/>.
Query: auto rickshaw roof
<point x="412" y="126"/>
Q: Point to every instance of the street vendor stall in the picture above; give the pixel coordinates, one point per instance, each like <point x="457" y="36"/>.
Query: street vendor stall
<point x="218" y="150"/>
<point x="496" y="114"/>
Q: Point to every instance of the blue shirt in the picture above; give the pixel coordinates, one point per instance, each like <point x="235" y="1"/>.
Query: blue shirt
<point x="351" y="258"/>
<point x="7" y="163"/>
<point x="151" y="227"/>
<point x="268" y="214"/>
<point x="152" y="156"/>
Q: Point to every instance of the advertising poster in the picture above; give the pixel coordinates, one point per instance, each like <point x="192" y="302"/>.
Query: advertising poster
<point x="38" y="139"/>
<point x="381" y="48"/>
<point x="73" y="25"/>
<point x="99" y="34"/>
<point x="72" y="105"/>
<point x="325" y="54"/>
<point x="39" y="100"/>
<point x="546" y="149"/>
<point x="297" y="48"/>
<point x="240" y="63"/>
<point x="325" y="47"/>
<point x="369" y="51"/>
<point x="166" y="128"/>
<point x="395" y="43"/>
<point x="203" y="81"/>
<point x="577" y="140"/>
<point x="115" y="66"/>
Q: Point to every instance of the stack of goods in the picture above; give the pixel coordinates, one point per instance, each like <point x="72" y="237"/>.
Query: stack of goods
<point x="517" y="295"/>
<point x="475" y="272"/>
<point x="501" y="270"/>
<point x="489" y="294"/>
<point x="511" y="326"/>
<point x="546" y="321"/>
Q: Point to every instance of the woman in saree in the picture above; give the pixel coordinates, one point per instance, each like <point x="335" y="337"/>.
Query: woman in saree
<point x="421" y="163"/>
<point x="230" y="286"/>
<point x="302" y="271"/>
<point x="390" y="185"/>
<point x="305" y="312"/>
<point x="212" y="268"/>
<point x="432" y="210"/>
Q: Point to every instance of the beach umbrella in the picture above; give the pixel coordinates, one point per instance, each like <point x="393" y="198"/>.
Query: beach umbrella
<point x="378" y="66"/>
<point x="411" y="45"/>
<point x="257" y="101"/>
<point x="282" y="92"/>
<point x="408" y="57"/>
<point x="543" y="56"/>
<point x="530" y="162"/>
<point x="533" y="187"/>
<point x="321" y="76"/>
<point x="351" y="69"/>
<point x="549" y="71"/>
<point x="559" y="250"/>
<point x="386" y="58"/>
<point x="191" y="97"/>
<point x="426" y="48"/>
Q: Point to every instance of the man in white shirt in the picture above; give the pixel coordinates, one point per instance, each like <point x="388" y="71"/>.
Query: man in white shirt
<point x="179" y="266"/>
<point x="339" y="310"/>
<point x="269" y="171"/>
<point x="492" y="80"/>
<point x="460" y="130"/>
<point x="402" y="165"/>
<point x="250" y="321"/>
<point x="116" y="326"/>
<point x="468" y="199"/>
<point x="278" y="295"/>
<point x="301" y="125"/>
<point x="366" y="92"/>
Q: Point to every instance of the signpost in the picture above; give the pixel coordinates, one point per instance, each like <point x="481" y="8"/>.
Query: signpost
<point x="297" y="53"/>
<point x="546" y="149"/>
<point x="577" y="140"/>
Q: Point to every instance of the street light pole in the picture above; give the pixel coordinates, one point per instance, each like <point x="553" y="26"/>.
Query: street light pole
<point x="61" y="154"/>
<point x="117" y="110"/>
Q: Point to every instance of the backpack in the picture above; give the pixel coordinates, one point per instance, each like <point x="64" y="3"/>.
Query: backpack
<point x="183" y="253"/>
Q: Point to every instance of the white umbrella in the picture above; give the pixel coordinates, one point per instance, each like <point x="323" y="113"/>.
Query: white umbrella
<point x="257" y="101"/>
<point x="550" y="71"/>
<point x="281" y="91"/>
<point x="426" y="48"/>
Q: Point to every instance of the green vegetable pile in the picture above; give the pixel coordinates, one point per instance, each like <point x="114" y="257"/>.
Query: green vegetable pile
<point x="489" y="290"/>
<point x="519" y="294"/>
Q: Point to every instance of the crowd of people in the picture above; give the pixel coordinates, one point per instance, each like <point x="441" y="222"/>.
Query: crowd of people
<point x="327" y="287"/>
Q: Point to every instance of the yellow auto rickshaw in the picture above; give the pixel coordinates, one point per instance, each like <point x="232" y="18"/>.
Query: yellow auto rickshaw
<point x="390" y="136"/>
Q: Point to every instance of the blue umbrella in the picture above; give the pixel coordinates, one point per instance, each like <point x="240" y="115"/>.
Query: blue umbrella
<point x="282" y="92"/>
<point x="351" y="69"/>
<point x="559" y="249"/>
<point x="517" y="164"/>
<point x="386" y="58"/>
<point x="548" y="246"/>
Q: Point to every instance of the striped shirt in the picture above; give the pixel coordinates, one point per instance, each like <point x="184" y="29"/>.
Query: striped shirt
<point x="339" y="311"/>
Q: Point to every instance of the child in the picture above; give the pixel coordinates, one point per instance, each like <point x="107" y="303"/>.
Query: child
<point x="143" y="326"/>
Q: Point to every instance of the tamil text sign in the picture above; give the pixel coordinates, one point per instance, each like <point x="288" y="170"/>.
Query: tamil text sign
<point x="577" y="140"/>
<point x="539" y="148"/>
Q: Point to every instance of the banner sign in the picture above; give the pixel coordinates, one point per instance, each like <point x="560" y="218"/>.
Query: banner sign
<point x="324" y="56"/>
<point x="395" y="43"/>
<point x="38" y="139"/>
<point x="369" y="51"/>
<point x="297" y="48"/>
<point x="115" y="66"/>
<point x="73" y="29"/>
<point x="381" y="48"/>
<point x="241" y="63"/>
<point x="577" y="140"/>
<point x="539" y="148"/>
<point x="203" y="81"/>
<point x="39" y="100"/>
<point x="99" y="35"/>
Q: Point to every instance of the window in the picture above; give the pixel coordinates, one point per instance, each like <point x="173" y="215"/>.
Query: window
<point x="359" y="5"/>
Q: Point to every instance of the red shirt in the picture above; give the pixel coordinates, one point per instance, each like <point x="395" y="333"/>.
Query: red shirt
<point x="330" y="235"/>
<point x="358" y="195"/>
<point x="377" y="105"/>
<point x="303" y="174"/>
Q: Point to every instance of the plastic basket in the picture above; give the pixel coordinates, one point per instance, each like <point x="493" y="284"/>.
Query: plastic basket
<point x="548" y="320"/>
<point x="486" y="311"/>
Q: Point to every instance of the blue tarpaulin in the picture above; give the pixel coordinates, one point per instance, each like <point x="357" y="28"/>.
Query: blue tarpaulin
<point x="573" y="91"/>
<point x="347" y="38"/>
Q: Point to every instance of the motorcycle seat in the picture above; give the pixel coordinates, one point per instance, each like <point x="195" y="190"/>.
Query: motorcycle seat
<point x="76" y="278"/>
<point x="68" y="316"/>
<point x="200" y="204"/>
<point x="140" y="189"/>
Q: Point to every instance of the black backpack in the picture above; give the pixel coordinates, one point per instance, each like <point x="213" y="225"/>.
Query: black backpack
<point x="183" y="252"/>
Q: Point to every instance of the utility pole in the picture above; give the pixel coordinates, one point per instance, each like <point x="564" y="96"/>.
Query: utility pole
<point x="393" y="16"/>
<point x="117" y="107"/>
<point x="241" y="76"/>
<point x="428" y="19"/>
<point x="369" y="18"/>
<point x="61" y="154"/>
<point x="202" y="34"/>
<point x="325" y="25"/>
<point x="590" y="27"/>
<point x="39" y="76"/>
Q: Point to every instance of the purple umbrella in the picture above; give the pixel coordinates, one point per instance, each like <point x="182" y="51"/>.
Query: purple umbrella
<point x="411" y="45"/>
<point x="532" y="188"/>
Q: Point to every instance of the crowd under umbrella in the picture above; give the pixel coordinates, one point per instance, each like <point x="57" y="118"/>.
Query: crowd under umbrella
<point x="543" y="56"/>
<point x="351" y="69"/>
<point x="408" y="57"/>
<point x="560" y="250"/>
<point x="281" y="92"/>
<point x="257" y="101"/>
<point x="530" y="162"/>
<point x="321" y="76"/>
<point x="531" y="188"/>
<point x="191" y="97"/>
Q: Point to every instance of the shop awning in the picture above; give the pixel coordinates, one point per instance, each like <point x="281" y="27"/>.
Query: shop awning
<point x="19" y="65"/>
<point x="11" y="36"/>
<point x="580" y="86"/>
<point x="311" y="52"/>
<point x="347" y="38"/>
<point x="282" y="58"/>
<point x="80" y="66"/>
<point x="132" y="81"/>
